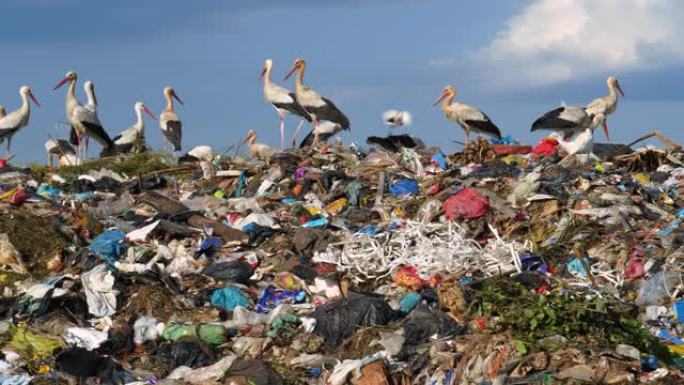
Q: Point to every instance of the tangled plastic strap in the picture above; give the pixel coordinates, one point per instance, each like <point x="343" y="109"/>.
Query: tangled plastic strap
<point x="431" y="248"/>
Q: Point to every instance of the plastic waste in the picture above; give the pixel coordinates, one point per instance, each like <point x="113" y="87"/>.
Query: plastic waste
<point x="98" y="285"/>
<point x="229" y="298"/>
<point x="403" y="187"/>
<point x="87" y="338"/>
<point x="212" y="334"/>
<point x="657" y="289"/>
<point x="466" y="203"/>
<point x="108" y="246"/>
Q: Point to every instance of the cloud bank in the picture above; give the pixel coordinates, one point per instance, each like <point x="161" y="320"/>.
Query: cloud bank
<point x="553" y="41"/>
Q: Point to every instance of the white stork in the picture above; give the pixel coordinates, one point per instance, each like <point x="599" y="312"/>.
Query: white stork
<point x="324" y="131"/>
<point x="318" y="107"/>
<point x="11" y="123"/>
<point x="206" y="156"/>
<point x="606" y="105"/>
<point x="169" y="121"/>
<point x="282" y="100"/>
<point x="394" y="118"/>
<point x="257" y="150"/>
<point x="63" y="150"/>
<point x="84" y="122"/>
<point x="469" y="118"/>
<point x="568" y="120"/>
<point x="133" y="138"/>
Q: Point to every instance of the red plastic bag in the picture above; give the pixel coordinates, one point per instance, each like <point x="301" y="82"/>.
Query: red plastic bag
<point x="19" y="197"/>
<point x="3" y="163"/>
<point x="546" y="147"/>
<point x="634" y="269"/>
<point x="466" y="203"/>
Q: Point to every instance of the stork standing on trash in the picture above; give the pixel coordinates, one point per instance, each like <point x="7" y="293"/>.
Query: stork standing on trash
<point x="318" y="107"/>
<point x="606" y="105"/>
<point x="169" y="122"/>
<point x="282" y="100"/>
<point x="257" y="150"/>
<point x="469" y="118"/>
<point x="11" y="123"/>
<point x="133" y="138"/>
<point x="84" y="122"/>
<point x="572" y="126"/>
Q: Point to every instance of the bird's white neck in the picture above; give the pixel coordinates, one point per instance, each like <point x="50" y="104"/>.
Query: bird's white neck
<point x="169" y="102"/>
<point x="299" y="80"/>
<point x="25" y="103"/>
<point x="92" y="101"/>
<point x="140" y="123"/>
<point x="267" y="77"/>
<point x="71" y="101"/>
<point x="447" y="102"/>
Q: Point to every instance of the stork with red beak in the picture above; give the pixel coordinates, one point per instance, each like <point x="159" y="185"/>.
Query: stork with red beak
<point x="11" y="123"/>
<point x="169" y="121"/>
<point x="84" y="122"/>
<point x="257" y="150"/>
<point x="606" y="105"/>
<point x="282" y="100"/>
<point x="468" y="117"/>
<point x="318" y="107"/>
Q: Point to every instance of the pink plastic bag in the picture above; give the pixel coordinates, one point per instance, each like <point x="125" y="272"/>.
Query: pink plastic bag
<point x="466" y="203"/>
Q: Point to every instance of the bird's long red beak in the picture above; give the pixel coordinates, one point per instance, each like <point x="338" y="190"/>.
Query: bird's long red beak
<point x="617" y="85"/>
<point x="34" y="99"/>
<point x="439" y="99"/>
<point x="177" y="98"/>
<point x="292" y="70"/>
<point x="605" y="129"/>
<point x="148" y="112"/>
<point x="61" y="83"/>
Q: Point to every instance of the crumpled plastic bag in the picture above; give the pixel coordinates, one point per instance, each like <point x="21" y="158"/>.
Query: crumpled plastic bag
<point x="403" y="187"/>
<point x="338" y="320"/>
<point x="98" y="285"/>
<point x="86" y="338"/>
<point x="9" y="255"/>
<point x="233" y="271"/>
<point x="229" y="298"/>
<point x="546" y="147"/>
<point x="466" y="203"/>
<point x="108" y="246"/>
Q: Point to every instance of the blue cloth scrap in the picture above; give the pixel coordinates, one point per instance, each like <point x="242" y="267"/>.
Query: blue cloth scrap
<point x="108" y="246"/>
<point x="403" y="187"/>
<point x="229" y="298"/>
<point x="409" y="302"/>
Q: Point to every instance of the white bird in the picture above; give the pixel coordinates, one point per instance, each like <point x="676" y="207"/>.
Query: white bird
<point x="324" y="131"/>
<point x="318" y="107"/>
<point x="63" y="150"/>
<point x="394" y="118"/>
<point x="606" y="105"/>
<point x="579" y="141"/>
<point x="170" y="122"/>
<point x="11" y="123"/>
<point x="133" y="138"/>
<point x="468" y="117"/>
<point x="567" y="120"/>
<point x="206" y="156"/>
<point x="282" y="100"/>
<point x="89" y="88"/>
<point x="257" y="150"/>
<point x="84" y="122"/>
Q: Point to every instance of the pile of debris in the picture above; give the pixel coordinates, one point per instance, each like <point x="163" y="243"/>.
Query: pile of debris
<point x="498" y="264"/>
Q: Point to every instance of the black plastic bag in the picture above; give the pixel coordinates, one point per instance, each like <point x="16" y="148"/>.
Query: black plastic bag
<point x="186" y="352"/>
<point x="424" y="322"/>
<point x="233" y="271"/>
<point x="257" y="372"/>
<point x="338" y="320"/>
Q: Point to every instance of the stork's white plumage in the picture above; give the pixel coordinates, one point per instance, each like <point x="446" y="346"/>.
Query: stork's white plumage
<point x="324" y="131"/>
<point x="579" y="141"/>
<point x="63" y="150"/>
<point x="606" y="105"/>
<point x="318" y="107"/>
<point x="169" y="121"/>
<point x="89" y="88"/>
<point x="468" y="117"/>
<point x="84" y="122"/>
<point x="11" y="123"/>
<point x="205" y="153"/>
<point x="567" y="121"/>
<point x="258" y="150"/>
<point x="394" y="118"/>
<point x="282" y="100"/>
<point x="133" y="137"/>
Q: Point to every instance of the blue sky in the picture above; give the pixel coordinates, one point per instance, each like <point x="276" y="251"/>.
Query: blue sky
<point x="513" y="59"/>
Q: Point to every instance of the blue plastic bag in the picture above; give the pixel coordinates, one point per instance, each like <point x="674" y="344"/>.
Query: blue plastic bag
<point x="271" y="297"/>
<point x="229" y="298"/>
<point x="320" y="222"/>
<point x="409" y="302"/>
<point x="440" y="160"/>
<point x="108" y="246"/>
<point x="48" y="191"/>
<point x="403" y="187"/>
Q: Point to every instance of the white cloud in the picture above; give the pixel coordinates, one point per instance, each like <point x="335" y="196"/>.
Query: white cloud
<point x="552" y="41"/>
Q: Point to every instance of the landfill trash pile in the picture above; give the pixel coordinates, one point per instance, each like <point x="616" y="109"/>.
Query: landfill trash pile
<point x="501" y="264"/>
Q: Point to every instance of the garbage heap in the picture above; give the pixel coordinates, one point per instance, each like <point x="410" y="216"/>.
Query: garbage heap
<point x="500" y="264"/>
